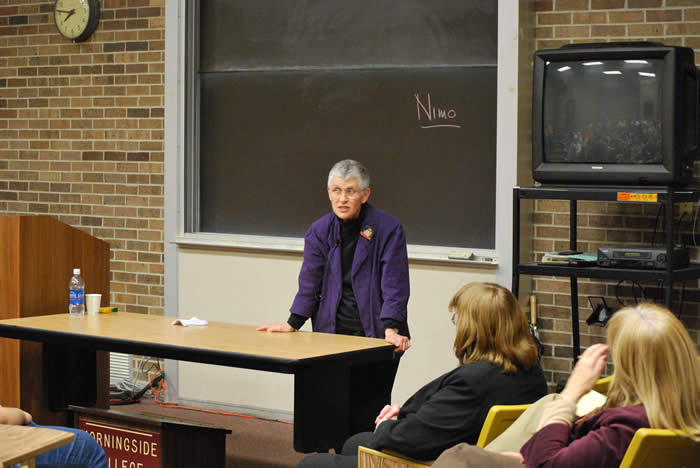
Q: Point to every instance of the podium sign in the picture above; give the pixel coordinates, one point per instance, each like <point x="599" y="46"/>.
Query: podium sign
<point x="137" y="440"/>
<point x="125" y="447"/>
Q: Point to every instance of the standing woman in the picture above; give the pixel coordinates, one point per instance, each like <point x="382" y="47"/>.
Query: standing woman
<point x="354" y="281"/>
<point x="656" y="384"/>
<point x="498" y="366"/>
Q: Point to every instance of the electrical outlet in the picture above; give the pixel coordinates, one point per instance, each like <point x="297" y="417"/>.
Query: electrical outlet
<point x="685" y="211"/>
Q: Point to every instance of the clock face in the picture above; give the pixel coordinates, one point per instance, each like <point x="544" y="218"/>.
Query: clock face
<point x="76" y="19"/>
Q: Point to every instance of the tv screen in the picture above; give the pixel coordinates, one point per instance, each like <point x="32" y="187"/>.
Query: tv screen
<point x="621" y="125"/>
<point x="615" y="113"/>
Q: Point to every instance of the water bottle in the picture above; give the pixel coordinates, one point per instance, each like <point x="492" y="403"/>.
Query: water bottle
<point x="77" y="294"/>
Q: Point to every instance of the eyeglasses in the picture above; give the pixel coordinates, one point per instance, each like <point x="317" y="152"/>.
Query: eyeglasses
<point x="350" y="193"/>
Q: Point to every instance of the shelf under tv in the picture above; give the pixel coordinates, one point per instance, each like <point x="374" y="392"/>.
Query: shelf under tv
<point x="632" y="274"/>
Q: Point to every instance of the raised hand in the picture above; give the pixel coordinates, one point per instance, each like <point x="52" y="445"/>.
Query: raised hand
<point x="586" y="372"/>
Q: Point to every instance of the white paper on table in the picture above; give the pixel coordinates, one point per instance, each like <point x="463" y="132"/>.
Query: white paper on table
<point x="193" y="322"/>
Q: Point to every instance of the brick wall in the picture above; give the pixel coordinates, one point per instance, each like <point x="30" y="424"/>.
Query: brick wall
<point x="81" y="133"/>
<point x="559" y="22"/>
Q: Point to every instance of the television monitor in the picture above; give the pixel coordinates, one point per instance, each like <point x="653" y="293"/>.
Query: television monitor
<point x="615" y="113"/>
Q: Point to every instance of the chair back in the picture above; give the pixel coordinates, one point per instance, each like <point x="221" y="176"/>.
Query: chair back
<point x="661" y="447"/>
<point x="601" y="386"/>
<point x="370" y="458"/>
<point x="499" y="418"/>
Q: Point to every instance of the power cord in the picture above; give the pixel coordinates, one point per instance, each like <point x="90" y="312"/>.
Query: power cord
<point x="127" y="398"/>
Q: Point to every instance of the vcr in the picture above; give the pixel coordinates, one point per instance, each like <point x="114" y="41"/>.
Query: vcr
<point x="642" y="257"/>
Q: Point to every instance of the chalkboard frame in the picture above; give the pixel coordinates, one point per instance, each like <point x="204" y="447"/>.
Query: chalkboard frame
<point x="190" y="235"/>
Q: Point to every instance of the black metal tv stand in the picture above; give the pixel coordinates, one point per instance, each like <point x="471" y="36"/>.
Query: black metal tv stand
<point x="646" y="194"/>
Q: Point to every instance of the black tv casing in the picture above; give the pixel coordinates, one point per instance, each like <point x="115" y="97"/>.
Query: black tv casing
<point x="680" y="118"/>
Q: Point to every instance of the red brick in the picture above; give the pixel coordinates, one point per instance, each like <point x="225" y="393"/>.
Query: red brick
<point x="607" y="4"/>
<point x="590" y="18"/>
<point x="544" y="5"/>
<point x="644" y="3"/>
<point x="653" y="16"/>
<point x="599" y="30"/>
<point x="683" y="29"/>
<point x="149" y="12"/>
<point x="571" y="5"/>
<point x="544" y="33"/>
<point x="554" y="18"/>
<point x="643" y="30"/>
<point x="571" y="31"/>
<point x="675" y="3"/>
<point x="633" y="16"/>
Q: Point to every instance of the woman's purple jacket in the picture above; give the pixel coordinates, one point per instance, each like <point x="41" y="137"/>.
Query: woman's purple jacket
<point x="379" y="273"/>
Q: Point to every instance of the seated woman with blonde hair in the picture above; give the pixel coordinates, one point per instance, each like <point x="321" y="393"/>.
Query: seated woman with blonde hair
<point x="498" y="366"/>
<point x="656" y="384"/>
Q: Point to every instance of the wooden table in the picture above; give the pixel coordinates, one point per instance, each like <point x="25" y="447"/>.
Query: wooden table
<point x="23" y="443"/>
<point x="320" y="362"/>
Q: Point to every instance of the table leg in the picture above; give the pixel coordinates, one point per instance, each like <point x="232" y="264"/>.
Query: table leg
<point x="70" y="377"/>
<point x="321" y="407"/>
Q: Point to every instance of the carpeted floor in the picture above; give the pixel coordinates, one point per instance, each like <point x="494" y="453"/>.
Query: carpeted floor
<point x="253" y="443"/>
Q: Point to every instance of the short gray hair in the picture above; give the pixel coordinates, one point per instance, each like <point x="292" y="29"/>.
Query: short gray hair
<point x="347" y="169"/>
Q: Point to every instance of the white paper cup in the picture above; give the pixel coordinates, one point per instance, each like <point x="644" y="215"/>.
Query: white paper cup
<point x="92" y="301"/>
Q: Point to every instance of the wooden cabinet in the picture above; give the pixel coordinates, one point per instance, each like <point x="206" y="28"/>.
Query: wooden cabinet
<point x="37" y="258"/>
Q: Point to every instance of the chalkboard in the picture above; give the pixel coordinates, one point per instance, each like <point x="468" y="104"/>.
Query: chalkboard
<point x="406" y="87"/>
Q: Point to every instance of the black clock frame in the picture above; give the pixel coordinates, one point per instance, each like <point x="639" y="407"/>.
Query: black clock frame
<point x="90" y="27"/>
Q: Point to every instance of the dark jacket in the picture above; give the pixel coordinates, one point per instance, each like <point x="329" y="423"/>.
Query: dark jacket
<point x="600" y="441"/>
<point x="379" y="273"/>
<point x="452" y="408"/>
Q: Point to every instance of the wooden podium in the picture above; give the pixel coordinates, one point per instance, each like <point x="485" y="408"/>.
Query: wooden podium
<point x="37" y="258"/>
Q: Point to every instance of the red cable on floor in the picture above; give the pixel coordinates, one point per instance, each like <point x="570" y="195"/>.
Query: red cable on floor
<point x="161" y="387"/>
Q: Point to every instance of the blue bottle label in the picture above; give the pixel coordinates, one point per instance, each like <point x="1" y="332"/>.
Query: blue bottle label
<point x="76" y="296"/>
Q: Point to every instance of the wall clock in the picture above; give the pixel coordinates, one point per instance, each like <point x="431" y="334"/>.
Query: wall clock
<point x="76" y="19"/>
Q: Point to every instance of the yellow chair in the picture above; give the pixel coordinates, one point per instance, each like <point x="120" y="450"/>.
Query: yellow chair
<point x="369" y="458"/>
<point x="499" y="419"/>
<point x="650" y="448"/>
<point x="661" y="447"/>
<point x="601" y="386"/>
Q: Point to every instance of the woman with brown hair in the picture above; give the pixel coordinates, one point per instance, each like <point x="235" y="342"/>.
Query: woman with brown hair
<point x="656" y="384"/>
<point x="498" y="366"/>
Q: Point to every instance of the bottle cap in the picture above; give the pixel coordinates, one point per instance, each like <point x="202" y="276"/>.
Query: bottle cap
<point x="76" y="271"/>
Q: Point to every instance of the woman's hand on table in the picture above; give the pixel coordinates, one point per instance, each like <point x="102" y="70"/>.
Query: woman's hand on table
<point x="401" y="342"/>
<point x="277" y="328"/>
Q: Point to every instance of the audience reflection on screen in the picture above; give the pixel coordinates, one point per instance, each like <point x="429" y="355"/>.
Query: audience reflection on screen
<point x="618" y="142"/>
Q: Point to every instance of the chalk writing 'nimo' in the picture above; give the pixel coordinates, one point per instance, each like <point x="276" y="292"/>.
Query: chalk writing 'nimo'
<point x="434" y="114"/>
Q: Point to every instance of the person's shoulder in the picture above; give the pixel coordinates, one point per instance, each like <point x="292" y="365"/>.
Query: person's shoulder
<point x="488" y="370"/>
<point x="478" y="369"/>
<point x="323" y="224"/>
<point x="634" y="415"/>
<point x="377" y="216"/>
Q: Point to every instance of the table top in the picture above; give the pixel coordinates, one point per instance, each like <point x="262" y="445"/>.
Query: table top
<point x="21" y="443"/>
<point x="216" y="343"/>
